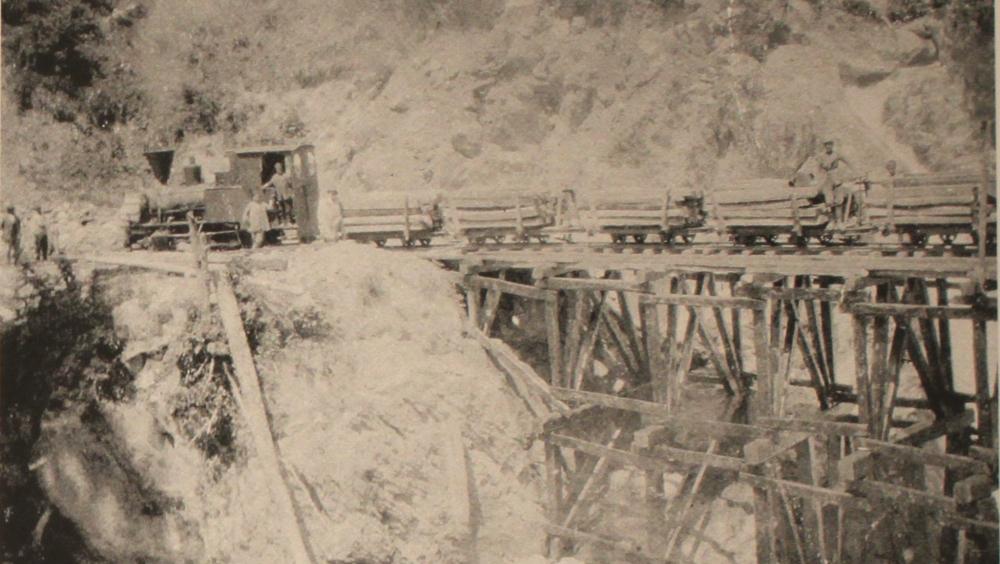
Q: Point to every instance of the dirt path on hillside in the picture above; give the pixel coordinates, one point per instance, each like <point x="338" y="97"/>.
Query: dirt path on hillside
<point x="868" y="104"/>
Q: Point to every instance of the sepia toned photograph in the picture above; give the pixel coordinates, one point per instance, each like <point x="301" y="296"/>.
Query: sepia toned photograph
<point x="498" y="282"/>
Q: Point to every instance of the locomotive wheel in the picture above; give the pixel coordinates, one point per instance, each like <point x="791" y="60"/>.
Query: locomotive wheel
<point x="948" y="239"/>
<point x="639" y="238"/>
<point x="425" y="242"/>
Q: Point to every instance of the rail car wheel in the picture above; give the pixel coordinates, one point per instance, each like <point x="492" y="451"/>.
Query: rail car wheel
<point x="800" y="241"/>
<point x="771" y="240"/>
<point x="746" y="240"/>
<point x="618" y="239"/>
<point x="478" y="240"/>
<point x="499" y="239"/>
<point x="639" y="238"/>
<point x="380" y="243"/>
<point x="825" y="238"/>
<point x="687" y="239"/>
<point x="918" y="240"/>
<point x="948" y="239"/>
<point x="425" y="242"/>
<point x="408" y="243"/>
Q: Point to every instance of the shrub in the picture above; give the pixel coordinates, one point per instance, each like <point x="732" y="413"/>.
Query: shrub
<point x="862" y="9"/>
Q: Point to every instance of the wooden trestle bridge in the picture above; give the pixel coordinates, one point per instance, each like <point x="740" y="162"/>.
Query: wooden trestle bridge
<point x="876" y="470"/>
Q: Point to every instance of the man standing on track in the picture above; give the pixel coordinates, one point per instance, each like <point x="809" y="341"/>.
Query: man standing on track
<point x="282" y="184"/>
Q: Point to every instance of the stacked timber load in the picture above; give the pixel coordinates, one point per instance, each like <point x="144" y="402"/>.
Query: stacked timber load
<point x="765" y="203"/>
<point x="388" y="215"/>
<point x="495" y="214"/>
<point x="645" y="210"/>
<point x="929" y="200"/>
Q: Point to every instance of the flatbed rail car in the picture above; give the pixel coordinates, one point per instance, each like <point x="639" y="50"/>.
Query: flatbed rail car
<point x="946" y="206"/>
<point x="378" y="219"/>
<point x="161" y="216"/>
<point x="767" y="210"/>
<point x="478" y="217"/>
<point x="640" y="214"/>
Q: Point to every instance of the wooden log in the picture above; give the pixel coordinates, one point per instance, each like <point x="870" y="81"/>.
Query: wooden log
<point x="593" y="285"/>
<point x="257" y="421"/>
<point x="920" y="433"/>
<point x="905" y="496"/>
<point x="814" y="426"/>
<point x="764" y="450"/>
<point x="626" y="546"/>
<point x="653" y="409"/>
<point x="764" y="367"/>
<point x="489" y="310"/>
<point x="612" y="454"/>
<point x="399" y="221"/>
<point x="554" y="498"/>
<point x="974" y="488"/>
<point x="921" y="311"/>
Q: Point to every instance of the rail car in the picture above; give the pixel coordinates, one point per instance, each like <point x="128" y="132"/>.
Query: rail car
<point x="479" y="217"/>
<point x="161" y="216"/>
<point x="380" y="218"/>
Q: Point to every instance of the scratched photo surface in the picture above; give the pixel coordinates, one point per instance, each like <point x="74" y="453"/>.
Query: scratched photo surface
<point x="498" y="281"/>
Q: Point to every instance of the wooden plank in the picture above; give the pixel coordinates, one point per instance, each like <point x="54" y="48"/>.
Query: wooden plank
<point x="579" y="306"/>
<point x="257" y="421"/>
<point x="985" y="405"/>
<point x="921" y="456"/>
<point x="513" y="288"/>
<point x="699" y="300"/>
<point x="592" y="284"/>
<point x="616" y="402"/>
<point x="764" y="450"/>
<point x="871" y="489"/>
<point x="625" y="545"/>
<point x="518" y="367"/>
<point x="554" y="338"/>
<point x="649" y="319"/>
<point x="925" y="431"/>
<point x="861" y="375"/>
<point x="814" y="426"/>
<point x="489" y="311"/>
<point x="823" y="495"/>
<point x="762" y="354"/>
<point x="921" y="311"/>
<point x="554" y="498"/>
<point x="660" y="432"/>
<point x="614" y="455"/>
<point x="878" y="375"/>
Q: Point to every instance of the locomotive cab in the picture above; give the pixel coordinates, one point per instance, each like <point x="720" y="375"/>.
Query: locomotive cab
<point x="252" y="167"/>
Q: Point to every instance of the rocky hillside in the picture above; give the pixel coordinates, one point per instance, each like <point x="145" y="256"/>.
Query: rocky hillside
<point x="507" y="94"/>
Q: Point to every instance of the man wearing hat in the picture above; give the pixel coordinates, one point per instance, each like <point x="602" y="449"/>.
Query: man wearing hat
<point x="836" y="171"/>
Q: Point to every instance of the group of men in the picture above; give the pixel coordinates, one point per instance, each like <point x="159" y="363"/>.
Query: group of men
<point x="30" y="234"/>
<point x="257" y="222"/>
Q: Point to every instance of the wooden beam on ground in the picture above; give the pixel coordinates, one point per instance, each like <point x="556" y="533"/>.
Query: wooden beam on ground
<point x="139" y="262"/>
<point x="874" y="490"/>
<point x="924" y="431"/>
<point x="257" y="420"/>
<point x="814" y="426"/>
<point x="763" y="450"/>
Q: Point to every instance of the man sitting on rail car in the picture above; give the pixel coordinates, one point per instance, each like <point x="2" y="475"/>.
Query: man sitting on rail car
<point x="835" y="187"/>
<point x="282" y="184"/>
<point x="255" y="220"/>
